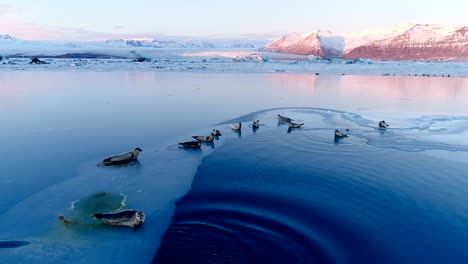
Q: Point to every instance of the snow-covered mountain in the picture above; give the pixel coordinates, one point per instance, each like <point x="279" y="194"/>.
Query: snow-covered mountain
<point x="309" y="46"/>
<point x="283" y="44"/>
<point x="168" y="44"/>
<point x="404" y="42"/>
<point x="322" y="43"/>
<point x="419" y="42"/>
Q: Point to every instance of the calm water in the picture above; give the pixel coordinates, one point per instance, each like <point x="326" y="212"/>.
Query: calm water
<point x="270" y="196"/>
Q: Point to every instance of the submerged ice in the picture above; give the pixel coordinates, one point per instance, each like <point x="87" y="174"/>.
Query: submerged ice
<point x="57" y="222"/>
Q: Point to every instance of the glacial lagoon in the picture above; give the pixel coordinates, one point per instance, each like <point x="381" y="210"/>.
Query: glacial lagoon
<point x="268" y="195"/>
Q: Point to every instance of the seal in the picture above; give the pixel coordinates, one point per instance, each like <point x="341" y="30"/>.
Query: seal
<point x="341" y="134"/>
<point x="294" y="125"/>
<point x="256" y="124"/>
<point x="191" y="144"/>
<point x="127" y="218"/>
<point x="383" y="124"/>
<point x="204" y="138"/>
<point x="284" y="119"/>
<point x="236" y="126"/>
<point x="123" y="158"/>
<point x="216" y="133"/>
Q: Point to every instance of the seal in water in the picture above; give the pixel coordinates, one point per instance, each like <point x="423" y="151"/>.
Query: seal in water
<point x="284" y="119"/>
<point x="383" y="124"/>
<point x="216" y="133"/>
<point x="295" y="125"/>
<point x="341" y="134"/>
<point x="256" y="124"/>
<point x="129" y="218"/>
<point x="236" y="126"/>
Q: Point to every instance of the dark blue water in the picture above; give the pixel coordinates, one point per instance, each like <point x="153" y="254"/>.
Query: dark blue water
<point x="301" y="197"/>
<point x="13" y="244"/>
<point x="270" y="196"/>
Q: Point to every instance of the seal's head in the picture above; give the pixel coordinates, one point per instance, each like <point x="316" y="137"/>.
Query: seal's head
<point x="62" y="218"/>
<point x="140" y="216"/>
<point x="215" y="132"/>
<point x="138" y="150"/>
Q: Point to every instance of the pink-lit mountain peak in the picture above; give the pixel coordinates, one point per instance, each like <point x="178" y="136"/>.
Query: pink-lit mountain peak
<point x="408" y="41"/>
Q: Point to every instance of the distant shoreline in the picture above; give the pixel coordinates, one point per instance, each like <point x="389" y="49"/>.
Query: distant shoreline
<point x="245" y="63"/>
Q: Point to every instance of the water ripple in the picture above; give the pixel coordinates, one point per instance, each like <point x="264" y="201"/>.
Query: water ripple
<point x="300" y="196"/>
<point x="222" y="228"/>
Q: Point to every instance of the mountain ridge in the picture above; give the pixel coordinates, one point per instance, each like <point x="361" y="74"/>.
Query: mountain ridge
<point x="404" y="42"/>
<point x="7" y="41"/>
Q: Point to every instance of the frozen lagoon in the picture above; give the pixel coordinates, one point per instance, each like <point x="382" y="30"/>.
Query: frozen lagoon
<point x="224" y="62"/>
<point x="58" y="125"/>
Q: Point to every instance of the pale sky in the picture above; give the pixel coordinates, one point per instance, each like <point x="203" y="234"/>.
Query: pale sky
<point x="103" y="19"/>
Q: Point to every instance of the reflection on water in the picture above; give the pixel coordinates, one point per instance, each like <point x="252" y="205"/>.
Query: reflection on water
<point x="379" y="93"/>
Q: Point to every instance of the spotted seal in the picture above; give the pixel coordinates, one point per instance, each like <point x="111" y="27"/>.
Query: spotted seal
<point x="128" y="218"/>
